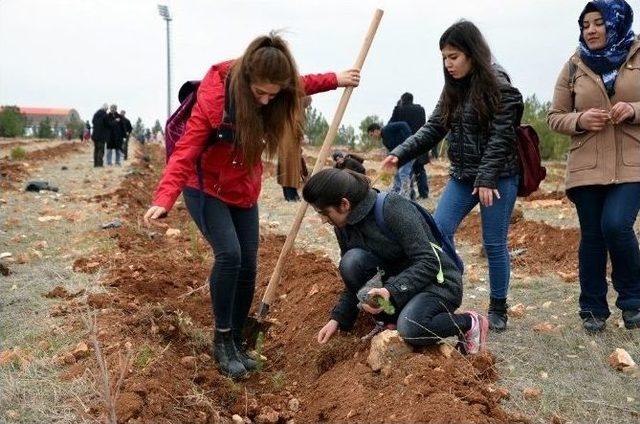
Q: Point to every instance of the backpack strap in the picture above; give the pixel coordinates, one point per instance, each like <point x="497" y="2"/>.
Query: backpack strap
<point x="572" y="82"/>
<point x="442" y="245"/>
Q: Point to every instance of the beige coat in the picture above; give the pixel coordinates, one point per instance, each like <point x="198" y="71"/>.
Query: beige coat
<point x="610" y="156"/>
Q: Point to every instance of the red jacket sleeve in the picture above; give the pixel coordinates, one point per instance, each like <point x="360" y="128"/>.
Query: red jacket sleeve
<point x="318" y="83"/>
<point x="205" y="115"/>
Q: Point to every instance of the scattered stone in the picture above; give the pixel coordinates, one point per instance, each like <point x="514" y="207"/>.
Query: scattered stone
<point x="4" y="270"/>
<point x="5" y="255"/>
<point x="116" y="223"/>
<point x="532" y="393"/>
<point x="237" y="419"/>
<point x="386" y="348"/>
<point x="40" y="245"/>
<point x="547" y="305"/>
<point x="314" y="290"/>
<point x="44" y="345"/>
<point x="446" y="350"/>
<point x="12" y="415"/>
<point x="172" y="232"/>
<point x="48" y="218"/>
<point x="294" y="405"/>
<point x="621" y="360"/>
<point x="81" y="351"/>
<point x="267" y="416"/>
<point x="545" y="327"/>
<point x="517" y="311"/>
<point x="543" y="375"/>
<point x="22" y="258"/>
<point x="503" y="393"/>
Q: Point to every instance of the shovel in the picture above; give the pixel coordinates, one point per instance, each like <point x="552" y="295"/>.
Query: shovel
<point x="259" y="324"/>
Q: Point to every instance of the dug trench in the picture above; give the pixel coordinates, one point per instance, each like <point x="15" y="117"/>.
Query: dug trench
<point x="158" y="308"/>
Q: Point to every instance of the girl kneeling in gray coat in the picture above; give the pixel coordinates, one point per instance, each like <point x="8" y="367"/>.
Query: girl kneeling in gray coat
<point x="415" y="282"/>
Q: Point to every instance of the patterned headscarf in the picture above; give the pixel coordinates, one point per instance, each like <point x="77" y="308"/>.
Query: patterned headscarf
<point x="618" y="17"/>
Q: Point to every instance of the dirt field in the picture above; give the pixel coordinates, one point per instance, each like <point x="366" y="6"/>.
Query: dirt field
<point x="153" y="319"/>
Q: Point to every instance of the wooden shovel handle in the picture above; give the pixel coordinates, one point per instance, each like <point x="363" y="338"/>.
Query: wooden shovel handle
<point x="270" y="292"/>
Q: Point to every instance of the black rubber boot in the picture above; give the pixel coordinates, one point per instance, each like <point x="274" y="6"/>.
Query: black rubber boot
<point x="226" y="355"/>
<point x="248" y="362"/>
<point x="594" y="324"/>
<point x="631" y="319"/>
<point x="497" y="314"/>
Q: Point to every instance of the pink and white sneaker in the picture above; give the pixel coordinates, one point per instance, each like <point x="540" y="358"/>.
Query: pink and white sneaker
<point x="475" y="340"/>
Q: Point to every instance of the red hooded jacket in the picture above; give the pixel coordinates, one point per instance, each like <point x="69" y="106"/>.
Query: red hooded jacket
<point x="224" y="174"/>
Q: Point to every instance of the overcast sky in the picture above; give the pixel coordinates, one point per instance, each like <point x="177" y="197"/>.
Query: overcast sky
<point x="82" y="53"/>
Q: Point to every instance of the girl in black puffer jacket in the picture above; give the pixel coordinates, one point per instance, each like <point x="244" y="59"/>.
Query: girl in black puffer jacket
<point x="477" y="113"/>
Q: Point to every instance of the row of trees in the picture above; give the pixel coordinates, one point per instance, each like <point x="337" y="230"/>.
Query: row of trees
<point x="13" y="123"/>
<point x="553" y="146"/>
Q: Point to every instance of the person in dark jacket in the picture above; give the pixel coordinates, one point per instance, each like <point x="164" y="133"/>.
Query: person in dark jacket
<point x="423" y="283"/>
<point x="413" y="114"/>
<point x="116" y="134"/>
<point x="478" y="111"/>
<point x="349" y="161"/>
<point x="393" y="135"/>
<point x="126" y="132"/>
<point x="100" y="135"/>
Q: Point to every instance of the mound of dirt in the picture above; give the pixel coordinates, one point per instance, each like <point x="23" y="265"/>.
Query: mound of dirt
<point x="547" y="195"/>
<point x="546" y="248"/>
<point x="161" y="308"/>
<point x="12" y="173"/>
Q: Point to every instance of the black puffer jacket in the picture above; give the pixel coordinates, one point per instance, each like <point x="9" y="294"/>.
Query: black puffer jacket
<point x="480" y="155"/>
<point x="410" y="263"/>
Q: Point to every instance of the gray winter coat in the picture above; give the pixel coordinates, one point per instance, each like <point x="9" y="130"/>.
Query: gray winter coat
<point x="410" y="262"/>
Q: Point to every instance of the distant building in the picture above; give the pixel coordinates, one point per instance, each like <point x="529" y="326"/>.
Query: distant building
<point x="58" y="117"/>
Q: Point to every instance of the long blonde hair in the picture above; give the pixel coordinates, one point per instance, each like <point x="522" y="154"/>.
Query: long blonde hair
<point x="261" y="129"/>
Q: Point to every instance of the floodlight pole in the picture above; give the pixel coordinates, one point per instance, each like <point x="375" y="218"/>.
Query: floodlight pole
<point x="164" y="12"/>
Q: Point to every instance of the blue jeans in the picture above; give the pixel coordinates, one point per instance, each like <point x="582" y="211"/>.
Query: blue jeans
<point x="402" y="181"/>
<point x="233" y="235"/>
<point x="424" y="320"/>
<point x="607" y="214"/>
<point x="456" y="202"/>
<point x="110" y="155"/>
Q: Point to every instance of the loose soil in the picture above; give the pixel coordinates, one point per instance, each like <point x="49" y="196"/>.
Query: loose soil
<point x="13" y="173"/>
<point x="157" y="303"/>
<point x="540" y="248"/>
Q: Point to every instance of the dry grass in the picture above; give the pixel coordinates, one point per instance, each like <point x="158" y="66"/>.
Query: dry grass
<point x="36" y="393"/>
<point x="570" y="366"/>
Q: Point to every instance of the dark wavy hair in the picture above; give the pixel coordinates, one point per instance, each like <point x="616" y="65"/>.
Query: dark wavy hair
<point x="481" y="85"/>
<point x="329" y="186"/>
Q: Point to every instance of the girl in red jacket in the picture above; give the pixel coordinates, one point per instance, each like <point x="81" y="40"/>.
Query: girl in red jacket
<point x="243" y="108"/>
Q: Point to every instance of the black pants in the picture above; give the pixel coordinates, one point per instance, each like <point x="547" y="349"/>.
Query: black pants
<point x="290" y="194"/>
<point x="125" y="148"/>
<point x="233" y="235"/>
<point x="607" y="214"/>
<point x="98" y="153"/>
<point x="424" y="320"/>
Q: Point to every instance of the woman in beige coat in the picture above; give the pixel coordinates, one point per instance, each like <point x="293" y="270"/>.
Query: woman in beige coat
<point x="597" y="102"/>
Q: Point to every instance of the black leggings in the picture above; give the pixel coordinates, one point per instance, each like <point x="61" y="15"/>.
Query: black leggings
<point x="233" y="233"/>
